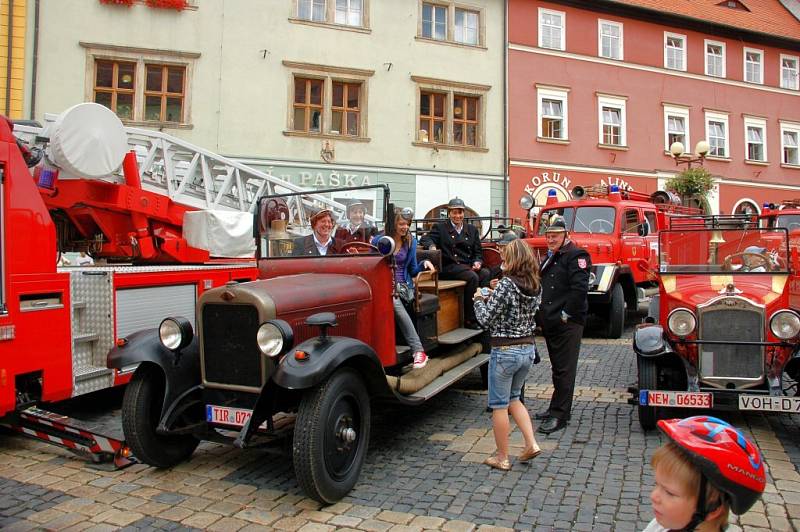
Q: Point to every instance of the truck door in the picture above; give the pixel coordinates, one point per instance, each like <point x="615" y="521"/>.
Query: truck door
<point x="634" y="247"/>
<point x="652" y="237"/>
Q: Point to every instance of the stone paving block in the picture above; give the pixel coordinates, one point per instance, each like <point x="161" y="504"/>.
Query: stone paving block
<point x="289" y="523"/>
<point x="227" y="524"/>
<point x="344" y="521"/>
<point x="257" y="516"/>
<point x="458" y="526"/>
<point x="224" y="508"/>
<point x="400" y="518"/>
<point x="373" y="525"/>
<point x="751" y="519"/>
<point x="316" y="527"/>
<point x="117" y="517"/>
<point x="201" y="520"/>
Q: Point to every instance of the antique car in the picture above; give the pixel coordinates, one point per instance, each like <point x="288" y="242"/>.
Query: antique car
<point x="723" y="331"/>
<point x="314" y="338"/>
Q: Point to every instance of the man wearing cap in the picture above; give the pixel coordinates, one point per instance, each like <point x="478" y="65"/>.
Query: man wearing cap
<point x="754" y="260"/>
<point x="357" y="228"/>
<point x="462" y="258"/>
<point x="562" y="314"/>
<point x="320" y="242"/>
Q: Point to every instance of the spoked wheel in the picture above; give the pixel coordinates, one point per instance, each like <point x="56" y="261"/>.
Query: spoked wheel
<point x="648" y="380"/>
<point x="331" y="435"/>
<point x="141" y="411"/>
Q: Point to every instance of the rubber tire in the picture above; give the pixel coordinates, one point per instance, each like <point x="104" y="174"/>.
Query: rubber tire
<point x="616" y="313"/>
<point x="311" y="437"/>
<point x="648" y="380"/>
<point x="141" y="409"/>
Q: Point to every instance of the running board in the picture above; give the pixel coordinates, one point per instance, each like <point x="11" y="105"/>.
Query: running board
<point x="449" y="377"/>
<point x="456" y="336"/>
<point x="102" y="451"/>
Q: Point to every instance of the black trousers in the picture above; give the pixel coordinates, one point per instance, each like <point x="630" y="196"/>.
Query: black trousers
<point x="563" y="345"/>
<point x="473" y="278"/>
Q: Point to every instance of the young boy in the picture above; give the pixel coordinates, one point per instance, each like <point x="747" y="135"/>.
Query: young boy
<point x="706" y="469"/>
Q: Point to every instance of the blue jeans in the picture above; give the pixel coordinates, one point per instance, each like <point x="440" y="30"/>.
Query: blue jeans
<point x="508" y="368"/>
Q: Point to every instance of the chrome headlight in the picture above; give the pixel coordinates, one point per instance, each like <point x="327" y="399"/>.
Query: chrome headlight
<point x="785" y="324"/>
<point x="274" y="337"/>
<point x="175" y="333"/>
<point x="681" y="322"/>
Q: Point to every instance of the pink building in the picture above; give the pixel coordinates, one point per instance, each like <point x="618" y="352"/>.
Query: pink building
<point x="598" y="90"/>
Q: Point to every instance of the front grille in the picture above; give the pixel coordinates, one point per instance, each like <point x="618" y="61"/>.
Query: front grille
<point x="230" y="352"/>
<point x="731" y="320"/>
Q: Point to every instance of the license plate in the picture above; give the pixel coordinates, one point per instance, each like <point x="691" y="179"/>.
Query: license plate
<point x="769" y="403"/>
<point x="675" y="399"/>
<point x="224" y="415"/>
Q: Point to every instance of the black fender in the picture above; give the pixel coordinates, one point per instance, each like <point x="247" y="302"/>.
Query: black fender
<point x="648" y="341"/>
<point x="181" y="370"/>
<point x="326" y="355"/>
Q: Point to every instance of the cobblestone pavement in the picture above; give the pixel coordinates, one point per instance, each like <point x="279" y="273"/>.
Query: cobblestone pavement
<point x="423" y="471"/>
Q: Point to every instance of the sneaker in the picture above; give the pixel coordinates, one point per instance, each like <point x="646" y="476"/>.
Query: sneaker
<point x="420" y="359"/>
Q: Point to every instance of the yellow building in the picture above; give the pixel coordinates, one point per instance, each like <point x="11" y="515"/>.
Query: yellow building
<point x="12" y="92"/>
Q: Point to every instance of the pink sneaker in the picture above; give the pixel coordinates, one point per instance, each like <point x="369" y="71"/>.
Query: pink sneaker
<point x="420" y="359"/>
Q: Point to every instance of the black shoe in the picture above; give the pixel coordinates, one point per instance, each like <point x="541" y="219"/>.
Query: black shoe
<point x="541" y="416"/>
<point x="551" y="425"/>
<point x="471" y="324"/>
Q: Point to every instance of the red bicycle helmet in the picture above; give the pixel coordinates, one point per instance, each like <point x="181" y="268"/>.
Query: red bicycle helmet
<point x="730" y="462"/>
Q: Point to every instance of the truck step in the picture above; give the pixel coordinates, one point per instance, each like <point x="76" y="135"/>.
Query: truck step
<point x="85" y="337"/>
<point x="78" y="304"/>
<point x="84" y="373"/>
<point x="456" y="336"/>
<point x="449" y="377"/>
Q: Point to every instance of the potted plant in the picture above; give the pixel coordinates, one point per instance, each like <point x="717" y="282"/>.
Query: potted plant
<point x="692" y="185"/>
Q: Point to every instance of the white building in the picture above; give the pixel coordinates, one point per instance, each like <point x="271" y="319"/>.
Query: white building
<point x="325" y="92"/>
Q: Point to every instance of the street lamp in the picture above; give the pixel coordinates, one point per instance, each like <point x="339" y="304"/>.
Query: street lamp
<point x="700" y="151"/>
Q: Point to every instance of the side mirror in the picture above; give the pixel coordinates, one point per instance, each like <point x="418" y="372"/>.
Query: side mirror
<point x="385" y="245"/>
<point x="644" y="229"/>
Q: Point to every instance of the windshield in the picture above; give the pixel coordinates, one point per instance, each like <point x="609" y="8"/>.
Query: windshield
<point x="789" y="221"/>
<point x="321" y="223"/>
<point x="586" y="220"/>
<point x="723" y="251"/>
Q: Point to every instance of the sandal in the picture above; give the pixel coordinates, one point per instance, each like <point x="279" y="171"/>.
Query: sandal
<point x="502" y="465"/>
<point x="528" y="455"/>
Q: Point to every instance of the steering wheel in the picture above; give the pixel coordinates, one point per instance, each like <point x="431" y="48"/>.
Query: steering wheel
<point x="601" y="223"/>
<point x="762" y="261"/>
<point x="358" y="248"/>
<point x="792" y="226"/>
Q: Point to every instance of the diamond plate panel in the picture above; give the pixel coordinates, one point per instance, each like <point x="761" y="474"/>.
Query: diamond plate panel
<point x="92" y="308"/>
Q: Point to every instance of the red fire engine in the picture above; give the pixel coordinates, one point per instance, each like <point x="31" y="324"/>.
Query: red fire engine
<point x="57" y="323"/>
<point x="619" y="229"/>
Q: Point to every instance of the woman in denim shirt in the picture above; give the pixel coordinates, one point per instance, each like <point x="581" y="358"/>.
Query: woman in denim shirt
<point x="508" y="313"/>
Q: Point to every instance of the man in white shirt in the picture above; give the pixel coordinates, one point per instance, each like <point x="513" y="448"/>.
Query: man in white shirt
<point x="320" y="242"/>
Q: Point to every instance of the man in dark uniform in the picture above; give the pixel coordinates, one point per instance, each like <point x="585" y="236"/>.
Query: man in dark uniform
<point x="462" y="257"/>
<point x="357" y="228"/>
<point x="562" y="314"/>
<point x="320" y="242"/>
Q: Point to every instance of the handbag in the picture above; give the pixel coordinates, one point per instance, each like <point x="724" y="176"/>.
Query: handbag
<point x="405" y="292"/>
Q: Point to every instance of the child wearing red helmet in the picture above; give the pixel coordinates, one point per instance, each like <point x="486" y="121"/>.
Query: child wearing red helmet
<point x="706" y="469"/>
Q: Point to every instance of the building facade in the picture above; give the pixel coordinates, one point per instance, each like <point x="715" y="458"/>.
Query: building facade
<point x="600" y="89"/>
<point x="325" y="93"/>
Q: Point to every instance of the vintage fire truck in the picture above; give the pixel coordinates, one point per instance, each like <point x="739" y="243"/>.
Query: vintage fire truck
<point x="725" y="333"/>
<point x="619" y="229"/>
<point x="61" y="190"/>
<point x="313" y="337"/>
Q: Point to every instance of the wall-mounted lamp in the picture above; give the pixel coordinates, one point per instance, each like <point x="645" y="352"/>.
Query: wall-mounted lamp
<point x="701" y="150"/>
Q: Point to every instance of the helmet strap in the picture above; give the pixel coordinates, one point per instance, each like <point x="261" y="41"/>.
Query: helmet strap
<point x="701" y="511"/>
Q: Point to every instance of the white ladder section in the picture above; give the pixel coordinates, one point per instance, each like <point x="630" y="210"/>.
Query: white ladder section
<point x="193" y="176"/>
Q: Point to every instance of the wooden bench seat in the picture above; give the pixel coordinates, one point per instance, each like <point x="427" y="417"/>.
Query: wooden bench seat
<point x="443" y="285"/>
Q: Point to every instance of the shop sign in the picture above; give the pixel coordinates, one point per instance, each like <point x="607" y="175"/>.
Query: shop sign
<point x="317" y="179"/>
<point x="539" y="186"/>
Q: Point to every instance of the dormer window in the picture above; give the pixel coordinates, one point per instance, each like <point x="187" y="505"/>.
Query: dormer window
<point x="733" y="4"/>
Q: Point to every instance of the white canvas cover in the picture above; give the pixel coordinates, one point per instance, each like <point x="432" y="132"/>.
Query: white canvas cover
<point x="221" y="233"/>
<point x="88" y="140"/>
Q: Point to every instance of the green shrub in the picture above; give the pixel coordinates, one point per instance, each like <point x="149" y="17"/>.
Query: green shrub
<point x="691" y="182"/>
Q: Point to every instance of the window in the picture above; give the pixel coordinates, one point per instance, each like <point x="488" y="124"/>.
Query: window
<point x="552" y="104"/>
<point x="143" y="87"/>
<point x="328" y="101"/>
<point x="552" y="29"/>
<point x="609" y="39"/>
<point x="348" y="12"/>
<point x="715" y="59"/>
<point x="676" y="126"/>
<point x="753" y="65"/>
<point x="755" y="130"/>
<point x="612" y="121"/>
<point x="650" y="216"/>
<point x="674" y="51"/>
<point x="746" y="207"/>
<point x="352" y="13"/>
<point x="790" y="144"/>
<point x="789" y="72"/>
<point x="450" y="114"/>
<point x="717" y="134"/>
<point x="313" y="10"/>
<point x="443" y="20"/>
<point x="631" y="222"/>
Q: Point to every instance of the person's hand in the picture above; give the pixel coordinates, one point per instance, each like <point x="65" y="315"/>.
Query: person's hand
<point x="432" y="247"/>
<point x="476" y="265"/>
<point x="478" y="296"/>
<point x="428" y="265"/>
<point x="493" y="283"/>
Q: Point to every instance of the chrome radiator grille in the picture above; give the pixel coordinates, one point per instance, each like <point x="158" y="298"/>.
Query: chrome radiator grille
<point x="731" y="320"/>
<point x="230" y="352"/>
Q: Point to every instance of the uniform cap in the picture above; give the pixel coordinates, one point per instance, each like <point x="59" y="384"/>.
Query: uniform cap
<point x="755" y="249"/>
<point x="507" y="238"/>
<point x="557" y="225"/>
<point x="456" y="203"/>
<point x="356" y="203"/>
<point x="406" y="213"/>
<point x="320" y="214"/>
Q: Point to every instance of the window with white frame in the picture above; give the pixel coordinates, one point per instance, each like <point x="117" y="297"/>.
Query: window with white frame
<point x="790" y="144"/>
<point x="609" y="42"/>
<point x="753" y="65"/>
<point x="715" y="58"/>
<point x="676" y="126"/>
<point x="717" y="134"/>
<point x="334" y="12"/>
<point x="674" y="51"/>
<point x="611" y="121"/>
<point x="444" y="20"/>
<point x="552" y="25"/>
<point x="348" y="12"/>
<point x="755" y="131"/>
<point x="789" y="72"/>
<point x="552" y="113"/>
<point x="313" y="10"/>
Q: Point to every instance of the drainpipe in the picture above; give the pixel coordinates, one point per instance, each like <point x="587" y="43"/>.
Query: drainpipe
<point x="9" y="59"/>
<point x="505" y="112"/>
<point x="35" y="63"/>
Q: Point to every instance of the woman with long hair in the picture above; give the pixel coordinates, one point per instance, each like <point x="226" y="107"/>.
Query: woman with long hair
<point x="407" y="268"/>
<point x="508" y="313"/>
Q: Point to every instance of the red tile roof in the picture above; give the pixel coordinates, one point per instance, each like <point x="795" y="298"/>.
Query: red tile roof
<point x="764" y="16"/>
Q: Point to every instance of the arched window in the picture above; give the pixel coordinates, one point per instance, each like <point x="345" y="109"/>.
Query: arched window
<point x="746" y="207"/>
